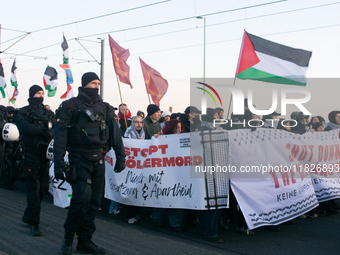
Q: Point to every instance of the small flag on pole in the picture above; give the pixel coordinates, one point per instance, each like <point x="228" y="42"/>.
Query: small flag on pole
<point x="68" y="94"/>
<point x="50" y="81"/>
<point x="13" y="76"/>
<point x="64" y="46"/>
<point x="155" y="84"/>
<point x="119" y="57"/>
<point x="268" y="61"/>
<point x="69" y="77"/>
<point x="2" y="81"/>
<point x="14" y="96"/>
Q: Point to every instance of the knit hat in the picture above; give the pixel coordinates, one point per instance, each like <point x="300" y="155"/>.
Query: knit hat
<point x="165" y="113"/>
<point x="34" y="89"/>
<point x="88" y="77"/>
<point x="152" y="108"/>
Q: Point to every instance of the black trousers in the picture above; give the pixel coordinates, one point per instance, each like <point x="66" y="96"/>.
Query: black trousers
<point x="85" y="201"/>
<point x="36" y="173"/>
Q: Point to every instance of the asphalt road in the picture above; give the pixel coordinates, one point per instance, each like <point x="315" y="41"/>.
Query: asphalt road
<point x="307" y="236"/>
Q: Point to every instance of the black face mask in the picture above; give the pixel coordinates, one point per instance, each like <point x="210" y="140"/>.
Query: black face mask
<point x="90" y="92"/>
<point x="36" y="101"/>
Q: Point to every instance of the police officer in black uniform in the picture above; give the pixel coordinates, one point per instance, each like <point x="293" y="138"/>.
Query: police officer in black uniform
<point x="86" y="128"/>
<point x="35" y="125"/>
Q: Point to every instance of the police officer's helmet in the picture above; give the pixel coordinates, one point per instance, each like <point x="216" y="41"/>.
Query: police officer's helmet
<point x="10" y="132"/>
<point x="49" y="151"/>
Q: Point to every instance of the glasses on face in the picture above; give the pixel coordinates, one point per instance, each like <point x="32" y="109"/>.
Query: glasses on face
<point x="138" y="122"/>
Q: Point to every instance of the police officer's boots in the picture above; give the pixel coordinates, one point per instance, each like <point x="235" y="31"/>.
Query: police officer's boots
<point x="66" y="247"/>
<point x="87" y="246"/>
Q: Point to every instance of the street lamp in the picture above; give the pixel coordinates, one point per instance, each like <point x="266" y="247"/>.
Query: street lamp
<point x="101" y="67"/>
<point x="204" y="98"/>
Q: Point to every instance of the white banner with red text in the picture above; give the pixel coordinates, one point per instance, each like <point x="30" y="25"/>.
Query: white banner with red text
<point x="280" y="175"/>
<point x="157" y="174"/>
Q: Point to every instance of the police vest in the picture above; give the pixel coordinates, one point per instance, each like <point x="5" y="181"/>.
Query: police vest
<point x="88" y="128"/>
<point x="45" y="122"/>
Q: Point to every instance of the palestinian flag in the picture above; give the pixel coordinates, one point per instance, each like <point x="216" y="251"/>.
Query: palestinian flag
<point x="14" y="96"/>
<point x="2" y="81"/>
<point x="13" y="77"/>
<point x="64" y="46"/>
<point x="268" y="61"/>
<point x="50" y="81"/>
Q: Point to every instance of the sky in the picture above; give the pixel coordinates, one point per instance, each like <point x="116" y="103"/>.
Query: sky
<point x="168" y="37"/>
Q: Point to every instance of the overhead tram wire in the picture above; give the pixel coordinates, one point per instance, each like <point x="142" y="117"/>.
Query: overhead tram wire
<point x="216" y="42"/>
<point x="255" y="17"/>
<point x="149" y="25"/>
<point x="183" y="19"/>
<point x="237" y="39"/>
<point x="100" y="16"/>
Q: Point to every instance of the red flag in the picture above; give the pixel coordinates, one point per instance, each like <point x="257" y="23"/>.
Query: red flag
<point x="155" y="84"/>
<point x="119" y="57"/>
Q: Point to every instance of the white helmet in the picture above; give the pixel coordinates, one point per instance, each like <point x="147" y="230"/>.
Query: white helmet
<point x="49" y="151"/>
<point x="10" y="132"/>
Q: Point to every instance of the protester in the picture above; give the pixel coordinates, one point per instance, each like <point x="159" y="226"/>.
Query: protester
<point x="285" y="125"/>
<point x="175" y="116"/>
<point x="124" y="119"/>
<point x="334" y="118"/>
<point x="140" y="113"/>
<point x="151" y="124"/>
<point x="86" y="128"/>
<point x="220" y="112"/>
<point x="190" y="119"/>
<point x="302" y="124"/>
<point x="35" y="125"/>
<point x="317" y="126"/>
<point x="165" y="118"/>
<point x="175" y="215"/>
<point x="135" y="131"/>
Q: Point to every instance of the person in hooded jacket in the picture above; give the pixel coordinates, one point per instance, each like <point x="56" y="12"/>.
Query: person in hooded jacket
<point x="334" y="118"/>
<point x="302" y="124"/>
<point x="35" y="125"/>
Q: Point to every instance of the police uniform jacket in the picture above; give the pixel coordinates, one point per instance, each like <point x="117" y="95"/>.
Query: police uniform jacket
<point x="85" y="127"/>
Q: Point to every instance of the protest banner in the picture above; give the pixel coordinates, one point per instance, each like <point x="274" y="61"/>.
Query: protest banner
<point x="157" y="174"/>
<point x="272" y="181"/>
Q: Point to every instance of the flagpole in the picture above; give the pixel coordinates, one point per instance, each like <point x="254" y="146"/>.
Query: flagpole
<point x="121" y="100"/>
<point x="149" y="97"/>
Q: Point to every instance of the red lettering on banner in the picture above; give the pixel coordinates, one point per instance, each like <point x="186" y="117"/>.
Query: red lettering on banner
<point x="135" y="151"/>
<point x="156" y="162"/>
<point x="188" y="161"/>
<point x="311" y="152"/>
<point x="168" y="162"/>
<point x="152" y="149"/>
<point x="276" y="182"/>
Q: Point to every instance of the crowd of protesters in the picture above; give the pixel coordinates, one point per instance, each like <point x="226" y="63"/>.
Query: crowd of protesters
<point x="158" y="122"/>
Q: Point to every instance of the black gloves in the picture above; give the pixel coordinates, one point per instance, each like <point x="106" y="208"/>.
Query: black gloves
<point x="59" y="173"/>
<point x="120" y="166"/>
